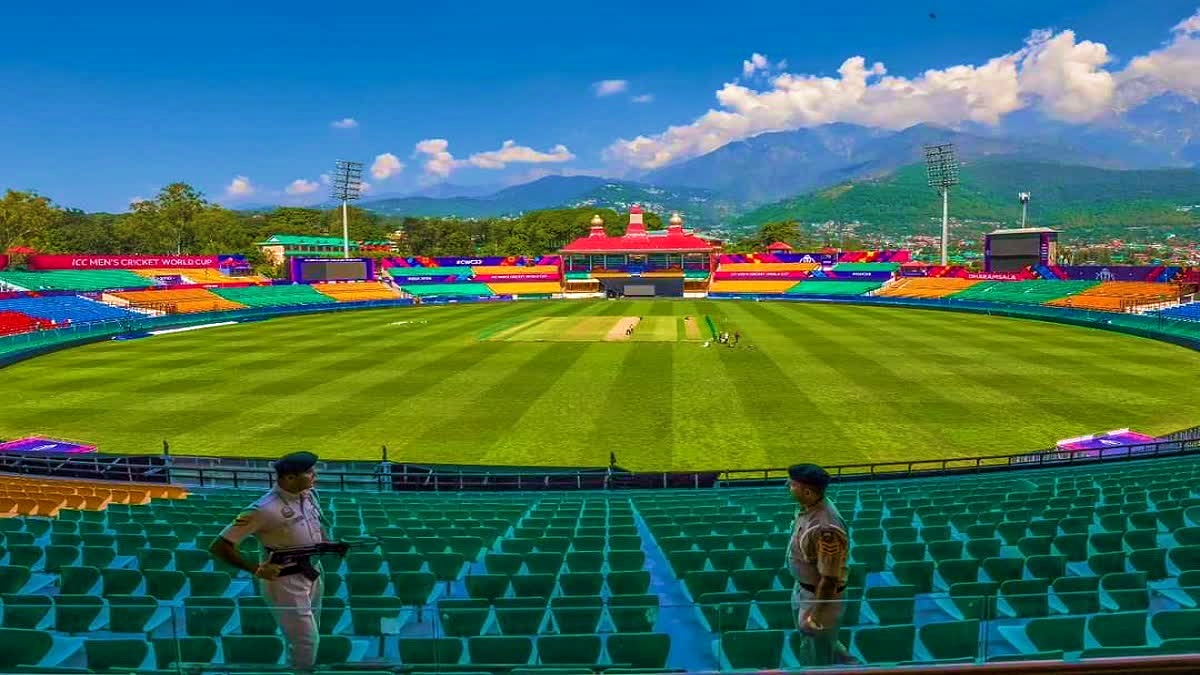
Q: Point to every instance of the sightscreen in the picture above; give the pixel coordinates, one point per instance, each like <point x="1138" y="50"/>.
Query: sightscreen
<point x="640" y="290"/>
<point x="333" y="270"/>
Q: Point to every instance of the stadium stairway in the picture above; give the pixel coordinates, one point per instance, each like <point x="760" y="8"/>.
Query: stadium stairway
<point x="1067" y="563"/>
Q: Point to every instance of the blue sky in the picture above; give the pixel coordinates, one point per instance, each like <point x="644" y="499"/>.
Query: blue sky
<point x="101" y="105"/>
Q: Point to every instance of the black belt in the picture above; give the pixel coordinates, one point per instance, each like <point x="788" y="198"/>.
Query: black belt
<point x="813" y="589"/>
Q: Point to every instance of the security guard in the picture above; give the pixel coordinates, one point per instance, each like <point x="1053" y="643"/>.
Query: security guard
<point x="287" y="516"/>
<point x="818" y="556"/>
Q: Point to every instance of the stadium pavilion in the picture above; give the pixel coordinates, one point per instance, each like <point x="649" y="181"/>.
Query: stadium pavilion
<point x="673" y="261"/>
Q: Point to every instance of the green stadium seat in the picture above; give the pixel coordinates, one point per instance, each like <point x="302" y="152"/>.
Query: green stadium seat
<point x="1024" y="598"/>
<point x="256" y="617"/>
<point x="23" y="647"/>
<point x="195" y="650"/>
<point x="130" y="613"/>
<point x="430" y="651"/>
<point x="885" y="644"/>
<point x="413" y="588"/>
<point x="1079" y="595"/>
<point x="124" y="654"/>
<point x="544" y="562"/>
<point x="892" y="604"/>
<point x="951" y="640"/>
<point x="368" y="614"/>
<point x="75" y="614"/>
<point x="520" y="620"/>
<point x="582" y="649"/>
<point x="577" y="614"/>
<point x="264" y="650"/>
<point x="207" y="615"/>
<point x="639" y="650"/>
<point x="1176" y="624"/>
<point x="98" y="556"/>
<point x="753" y="649"/>
<point x="463" y="618"/>
<point x="534" y="585"/>
<point x="634" y="613"/>
<point x="500" y="650"/>
<point x="1119" y="629"/>
<point x="1058" y="634"/>
<point x="26" y="611"/>
<point x="725" y="611"/>
<point x="13" y="578"/>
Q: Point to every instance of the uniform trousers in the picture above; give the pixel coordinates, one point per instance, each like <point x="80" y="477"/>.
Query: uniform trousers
<point x="296" y="602"/>
<point x="820" y="648"/>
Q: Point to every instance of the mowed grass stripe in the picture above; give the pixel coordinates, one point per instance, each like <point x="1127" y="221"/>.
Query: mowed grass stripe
<point x="287" y="381"/>
<point x="843" y="377"/>
<point x="716" y="427"/>
<point x="783" y="410"/>
<point x="635" y="413"/>
<point x="559" y="425"/>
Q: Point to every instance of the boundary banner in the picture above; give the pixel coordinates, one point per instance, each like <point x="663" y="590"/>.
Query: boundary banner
<point x="120" y="262"/>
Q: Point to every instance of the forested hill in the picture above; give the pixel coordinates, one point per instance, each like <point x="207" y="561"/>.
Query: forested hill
<point x="1063" y="196"/>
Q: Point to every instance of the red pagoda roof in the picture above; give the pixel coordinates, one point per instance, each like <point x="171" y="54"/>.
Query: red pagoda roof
<point x="637" y="240"/>
<point x="779" y="246"/>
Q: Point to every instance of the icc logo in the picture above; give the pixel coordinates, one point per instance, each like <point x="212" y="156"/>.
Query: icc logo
<point x="1104" y="275"/>
<point x="807" y="259"/>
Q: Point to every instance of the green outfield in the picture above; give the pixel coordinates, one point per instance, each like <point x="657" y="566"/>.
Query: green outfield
<point x="560" y="383"/>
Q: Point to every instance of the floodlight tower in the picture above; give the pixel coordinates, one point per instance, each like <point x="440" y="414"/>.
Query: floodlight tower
<point x="346" y="185"/>
<point x="1024" y="197"/>
<point x="941" y="165"/>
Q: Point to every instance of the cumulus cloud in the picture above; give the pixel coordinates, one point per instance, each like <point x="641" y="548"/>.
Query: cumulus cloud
<point x="1064" y="77"/>
<point x="439" y="162"/>
<point x="344" y="123"/>
<point x="1174" y="68"/>
<point x="386" y="165"/>
<point x="610" y="87"/>
<point x="643" y="98"/>
<point x="301" y="186"/>
<point x="239" y="187"/>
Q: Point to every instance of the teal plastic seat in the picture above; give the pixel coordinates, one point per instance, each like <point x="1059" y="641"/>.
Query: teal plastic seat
<point x="125" y="654"/>
<point x="752" y="648"/>
<point x="579" y="650"/>
<point x="639" y="650"/>
<point x="951" y="640"/>
<point x="19" y="647"/>
<point x="503" y="650"/>
<point x="265" y="650"/>
<point x="885" y="644"/>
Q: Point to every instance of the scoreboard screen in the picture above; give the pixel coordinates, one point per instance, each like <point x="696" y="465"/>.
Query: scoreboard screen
<point x="334" y="270"/>
<point x="1022" y="246"/>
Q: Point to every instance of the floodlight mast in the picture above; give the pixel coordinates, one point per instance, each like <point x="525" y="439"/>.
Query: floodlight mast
<point x="346" y="185"/>
<point x="1024" y="197"/>
<point x="941" y="165"/>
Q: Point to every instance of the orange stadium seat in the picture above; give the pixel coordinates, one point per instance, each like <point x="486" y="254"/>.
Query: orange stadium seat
<point x="184" y="300"/>
<point x="357" y="292"/>
<point x="1117" y="296"/>
<point x="751" y="286"/>
<point x="926" y="287"/>
<point x="199" y="275"/>
<point x="28" y="496"/>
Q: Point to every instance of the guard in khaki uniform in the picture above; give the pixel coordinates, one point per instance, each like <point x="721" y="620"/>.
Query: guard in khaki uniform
<point x="818" y="556"/>
<point x="287" y="516"/>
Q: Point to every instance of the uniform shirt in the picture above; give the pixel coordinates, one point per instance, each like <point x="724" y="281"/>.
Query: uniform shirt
<point x="820" y="545"/>
<point x="279" y="519"/>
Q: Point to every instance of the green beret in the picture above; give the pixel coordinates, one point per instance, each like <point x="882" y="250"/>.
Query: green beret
<point x="809" y="474"/>
<point x="297" y="462"/>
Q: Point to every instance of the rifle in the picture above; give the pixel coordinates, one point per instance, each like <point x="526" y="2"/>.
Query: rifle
<point x="296" y="559"/>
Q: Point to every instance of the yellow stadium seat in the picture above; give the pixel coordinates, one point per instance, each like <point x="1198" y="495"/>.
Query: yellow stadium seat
<point x="181" y="300"/>
<point x="356" y="292"/>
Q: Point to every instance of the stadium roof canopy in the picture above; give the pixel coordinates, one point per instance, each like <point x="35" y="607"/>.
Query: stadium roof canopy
<point x="637" y="240"/>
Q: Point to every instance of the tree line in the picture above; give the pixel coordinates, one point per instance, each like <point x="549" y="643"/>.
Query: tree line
<point x="180" y="220"/>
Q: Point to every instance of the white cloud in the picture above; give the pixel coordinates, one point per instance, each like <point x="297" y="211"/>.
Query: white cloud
<point x="301" y="186"/>
<point x="439" y="162"/>
<point x="1173" y="68"/>
<point x="643" y="98"/>
<point x="1063" y="77"/>
<point x="344" y="123"/>
<point x="325" y="179"/>
<point x="610" y="87"/>
<point x="364" y="187"/>
<point x="386" y="165"/>
<point x="239" y="187"/>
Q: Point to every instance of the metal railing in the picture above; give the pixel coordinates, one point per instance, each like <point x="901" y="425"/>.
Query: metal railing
<point x="383" y="476"/>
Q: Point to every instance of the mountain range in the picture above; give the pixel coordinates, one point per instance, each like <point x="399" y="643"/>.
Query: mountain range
<point x="740" y="183"/>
